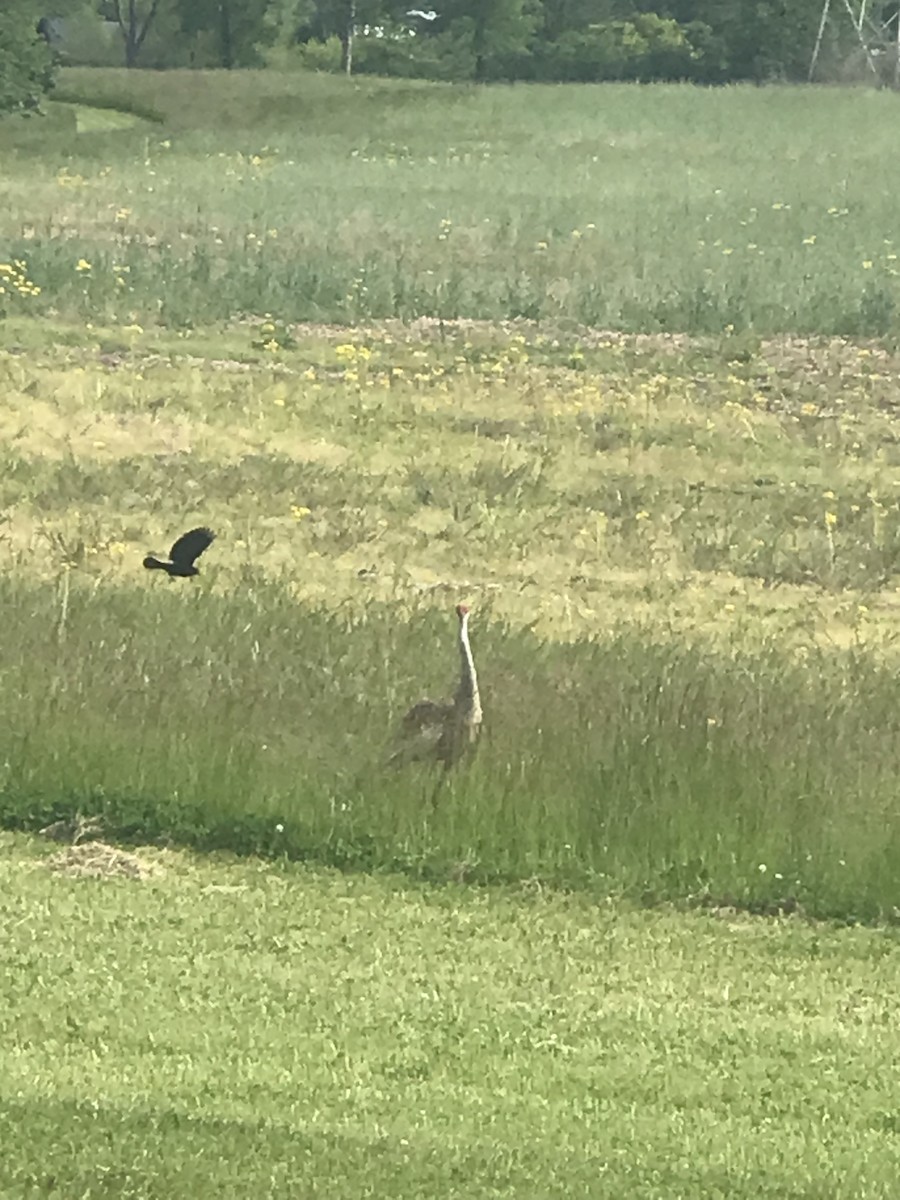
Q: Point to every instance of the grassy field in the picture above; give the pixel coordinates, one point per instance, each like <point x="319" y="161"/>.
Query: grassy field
<point x="681" y="546"/>
<point x="682" y="559"/>
<point x="633" y="208"/>
<point x="684" y="552"/>
<point x="310" y="1034"/>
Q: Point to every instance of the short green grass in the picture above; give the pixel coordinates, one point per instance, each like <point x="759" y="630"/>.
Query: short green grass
<point x="637" y="208"/>
<point x="244" y="1031"/>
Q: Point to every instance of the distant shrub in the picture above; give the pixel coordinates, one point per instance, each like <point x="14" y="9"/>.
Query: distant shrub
<point x="411" y="58"/>
<point x="27" y="64"/>
<point x="645" y="48"/>
<point x="316" y="56"/>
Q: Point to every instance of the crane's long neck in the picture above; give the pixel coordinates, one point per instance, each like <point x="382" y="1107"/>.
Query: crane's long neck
<point x="467" y="694"/>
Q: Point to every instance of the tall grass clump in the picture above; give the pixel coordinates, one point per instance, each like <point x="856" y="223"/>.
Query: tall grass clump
<point x="635" y="208"/>
<point x="639" y="764"/>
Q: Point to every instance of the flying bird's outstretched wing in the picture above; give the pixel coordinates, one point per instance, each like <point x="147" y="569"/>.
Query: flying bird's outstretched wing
<point x="188" y="548"/>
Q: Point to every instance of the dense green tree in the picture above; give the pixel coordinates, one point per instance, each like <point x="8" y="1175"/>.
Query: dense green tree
<point x="318" y="20"/>
<point x="135" y="19"/>
<point x="26" y="60"/>
<point x="236" y="28"/>
<point x="490" y="33"/>
<point x="558" y="17"/>
<point x="707" y="41"/>
<point x="645" y="48"/>
<point x="761" y="39"/>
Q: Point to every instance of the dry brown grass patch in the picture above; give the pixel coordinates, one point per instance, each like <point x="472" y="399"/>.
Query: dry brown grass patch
<point x="97" y="860"/>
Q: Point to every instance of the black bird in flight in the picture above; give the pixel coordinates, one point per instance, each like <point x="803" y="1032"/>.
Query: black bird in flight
<point x="183" y="554"/>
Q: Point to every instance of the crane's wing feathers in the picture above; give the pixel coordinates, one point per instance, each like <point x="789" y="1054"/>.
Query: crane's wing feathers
<point x="443" y="732"/>
<point x="420" y="731"/>
<point x="425" y="715"/>
<point x="188" y="548"/>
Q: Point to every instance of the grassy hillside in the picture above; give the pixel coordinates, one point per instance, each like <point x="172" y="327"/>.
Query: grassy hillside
<point x="315" y="198"/>
<point x="311" y="1034"/>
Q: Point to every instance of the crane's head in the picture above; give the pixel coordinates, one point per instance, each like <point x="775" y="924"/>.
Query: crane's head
<point x="462" y="611"/>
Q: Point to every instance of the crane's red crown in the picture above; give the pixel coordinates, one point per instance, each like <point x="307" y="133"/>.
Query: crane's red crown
<point x="462" y="610"/>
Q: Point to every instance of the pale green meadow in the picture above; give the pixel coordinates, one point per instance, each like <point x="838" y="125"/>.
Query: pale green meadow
<point x="664" y="208"/>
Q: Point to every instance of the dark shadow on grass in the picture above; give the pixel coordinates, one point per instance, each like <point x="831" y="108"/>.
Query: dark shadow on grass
<point x="79" y="1148"/>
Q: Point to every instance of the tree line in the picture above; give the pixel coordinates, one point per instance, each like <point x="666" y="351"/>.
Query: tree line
<point x="702" y="41"/>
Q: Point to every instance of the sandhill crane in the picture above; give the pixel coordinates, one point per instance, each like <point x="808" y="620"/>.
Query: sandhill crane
<point x="443" y="732"/>
<point x="184" y="553"/>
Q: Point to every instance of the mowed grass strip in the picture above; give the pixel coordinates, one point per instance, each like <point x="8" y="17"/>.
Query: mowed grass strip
<point x="241" y="1030"/>
<point x="659" y="207"/>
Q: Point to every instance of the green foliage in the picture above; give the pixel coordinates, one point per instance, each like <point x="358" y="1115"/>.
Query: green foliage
<point x="141" y="24"/>
<point x="765" y="40"/>
<point x="225" y="33"/>
<point x="707" y="41"/>
<point x="27" y="68"/>
<point x="273" y="335"/>
<point x="446" y="56"/>
<point x="490" y="33"/>
<point x="91" y="42"/>
<point x="313" y="55"/>
<point x="646" y="48"/>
